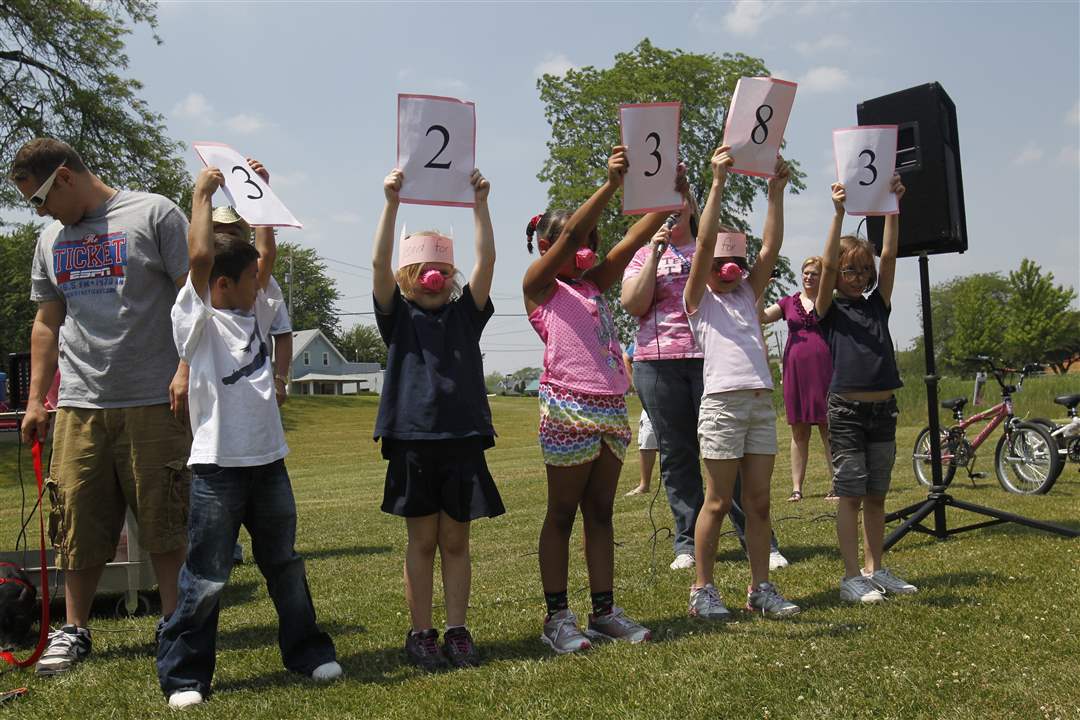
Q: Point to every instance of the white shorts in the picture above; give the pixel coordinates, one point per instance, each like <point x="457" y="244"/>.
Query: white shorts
<point x="646" y="436"/>
<point x="736" y="423"/>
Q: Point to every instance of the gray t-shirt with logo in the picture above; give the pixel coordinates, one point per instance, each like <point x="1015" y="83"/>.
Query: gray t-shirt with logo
<point x="116" y="273"/>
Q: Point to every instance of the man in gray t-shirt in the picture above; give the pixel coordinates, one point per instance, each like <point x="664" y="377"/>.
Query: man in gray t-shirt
<point x="105" y="276"/>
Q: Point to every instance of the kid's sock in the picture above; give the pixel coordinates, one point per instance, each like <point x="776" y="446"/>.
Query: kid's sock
<point x="556" y="601"/>
<point x="602" y="602"/>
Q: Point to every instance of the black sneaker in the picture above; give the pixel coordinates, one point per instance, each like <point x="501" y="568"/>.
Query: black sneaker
<point x="459" y="648"/>
<point x="67" y="646"/>
<point x="423" y="650"/>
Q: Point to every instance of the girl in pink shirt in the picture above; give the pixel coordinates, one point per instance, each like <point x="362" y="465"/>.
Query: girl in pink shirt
<point x="584" y="429"/>
<point x="736" y="421"/>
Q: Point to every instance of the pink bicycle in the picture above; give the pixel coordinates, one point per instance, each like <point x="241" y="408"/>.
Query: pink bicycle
<point x="1026" y="459"/>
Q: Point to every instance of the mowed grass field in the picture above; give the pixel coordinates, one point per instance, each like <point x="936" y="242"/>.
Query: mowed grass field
<point x="992" y="633"/>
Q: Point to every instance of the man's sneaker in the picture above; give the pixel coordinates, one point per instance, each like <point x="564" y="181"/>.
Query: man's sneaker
<point x="67" y="646"/>
<point x="767" y="600"/>
<point x="888" y="582"/>
<point x="859" y="589"/>
<point x="682" y="561"/>
<point x="777" y="561"/>
<point x="705" y="603"/>
<point x="562" y="635"/>
<point x="616" y="626"/>
<point x="185" y="698"/>
<point x="327" y="672"/>
<point x="459" y="648"/>
<point x="423" y="650"/>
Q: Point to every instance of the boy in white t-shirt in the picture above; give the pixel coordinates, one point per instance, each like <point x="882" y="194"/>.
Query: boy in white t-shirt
<point x="221" y="320"/>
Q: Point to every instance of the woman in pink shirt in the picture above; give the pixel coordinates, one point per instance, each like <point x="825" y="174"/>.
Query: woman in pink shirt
<point x="584" y="429"/>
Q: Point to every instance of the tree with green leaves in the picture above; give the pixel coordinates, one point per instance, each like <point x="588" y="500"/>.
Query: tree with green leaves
<point x="1041" y="321"/>
<point x="1017" y="319"/>
<point x="363" y="343"/>
<point x="61" y="73"/>
<point x="16" y="308"/>
<point x="313" y="294"/>
<point x="582" y="109"/>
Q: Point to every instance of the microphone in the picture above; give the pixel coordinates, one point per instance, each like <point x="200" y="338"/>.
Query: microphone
<point x="671" y="222"/>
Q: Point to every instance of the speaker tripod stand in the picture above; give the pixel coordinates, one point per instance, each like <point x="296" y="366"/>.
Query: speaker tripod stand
<point x="939" y="498"/>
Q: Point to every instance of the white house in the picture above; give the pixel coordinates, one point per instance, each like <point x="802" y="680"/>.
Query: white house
<point x="319" y="368"/>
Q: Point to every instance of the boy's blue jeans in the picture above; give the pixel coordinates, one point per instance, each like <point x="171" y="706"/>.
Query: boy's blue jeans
<point x="221" y="499"/>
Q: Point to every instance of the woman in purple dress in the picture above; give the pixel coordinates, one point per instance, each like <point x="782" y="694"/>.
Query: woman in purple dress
<point x="807" y="370"/>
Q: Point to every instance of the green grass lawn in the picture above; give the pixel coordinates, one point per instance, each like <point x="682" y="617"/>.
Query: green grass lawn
<point x="992" y="632"/>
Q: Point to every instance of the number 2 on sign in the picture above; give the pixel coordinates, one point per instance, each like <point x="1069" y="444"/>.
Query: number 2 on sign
<point x="248" y="181"/>
<point x="761" y="125"/>
<point x="869" y="166"/>
<point x="445" y="141"/>
<point x="655" y="153"/>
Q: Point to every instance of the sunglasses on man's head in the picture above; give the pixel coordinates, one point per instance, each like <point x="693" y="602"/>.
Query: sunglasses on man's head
<point x="38" y="198"/>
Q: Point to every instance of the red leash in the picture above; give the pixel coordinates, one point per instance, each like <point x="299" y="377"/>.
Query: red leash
<point x="43" y="636"/>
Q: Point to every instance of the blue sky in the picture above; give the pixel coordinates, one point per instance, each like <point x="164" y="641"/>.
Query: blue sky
<point x="310" y="89"/>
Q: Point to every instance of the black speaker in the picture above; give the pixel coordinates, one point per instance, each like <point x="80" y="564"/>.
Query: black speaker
<point x="932" y="216"/>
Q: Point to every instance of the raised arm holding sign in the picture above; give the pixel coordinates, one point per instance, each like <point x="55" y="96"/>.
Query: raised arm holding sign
<point x="650" y="133"/>
<point x="755" y="123"/>
<point x="436" y="150"/>
<point x="248" y="193"/>
<point x="865" y="161"/>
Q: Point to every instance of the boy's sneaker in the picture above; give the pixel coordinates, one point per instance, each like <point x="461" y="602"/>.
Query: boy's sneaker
<point x="459" y="648"/>
<point x="859" y="589"/>
<point x="327" y="672"/>
<point x="562" y="635"/>
<point x="423" y="650"/>
<point x="777" y="561"/>
<point x="705" y="603"/>
<point x="888" y="582"/>
<point x="682" y="561"/>
<point x="616" y="626"/>
<point x="67" y="646"/>
<point x="767" y="600"/>
<point x="185" y="698"/>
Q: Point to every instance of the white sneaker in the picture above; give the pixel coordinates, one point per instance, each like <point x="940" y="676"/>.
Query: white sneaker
<point x="859" y="589"/>
<point x="684" y="561"/>
<point x="185" y="698"/>
<point x="705" y="603"/>
<point x="327" y="672"/>
<point x="561" y="633"/>
<point x="777" y="561"/>
<point x="888" y="582"/>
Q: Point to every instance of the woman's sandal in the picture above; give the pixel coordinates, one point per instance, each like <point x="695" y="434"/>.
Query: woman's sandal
<point x="795" y="496"/>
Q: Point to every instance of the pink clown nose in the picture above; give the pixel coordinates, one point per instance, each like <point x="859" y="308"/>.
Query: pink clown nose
<point x="730" y="272"/>
<point x="584" y="259"/>
<point x="432" y="281"/>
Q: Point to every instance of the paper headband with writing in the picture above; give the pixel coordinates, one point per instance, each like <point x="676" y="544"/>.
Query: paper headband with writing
<point x="730" y="245"/>
<point x="425" y="248"/>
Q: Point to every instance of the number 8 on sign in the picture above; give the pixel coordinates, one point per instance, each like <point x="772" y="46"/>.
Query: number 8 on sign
<point x="755" y="123"/>
<point x="436" y="150"/>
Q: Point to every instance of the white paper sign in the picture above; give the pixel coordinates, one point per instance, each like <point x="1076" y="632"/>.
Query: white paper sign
<point x="247" y="193"/>
<point x="865" y="162"/>
<point x="755" y="123"/>
<point x="436" y="150"/>
<point x="650" y="133"/>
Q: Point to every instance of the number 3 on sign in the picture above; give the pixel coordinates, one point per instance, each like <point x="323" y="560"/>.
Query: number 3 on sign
<point x="865" y="160"/>
<point x="436" y="149"/>
<point x="247" y="193"/>
<point x="650" y="133"/>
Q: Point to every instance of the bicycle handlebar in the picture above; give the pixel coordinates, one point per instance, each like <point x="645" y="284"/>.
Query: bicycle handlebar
<point x="1000" y="372"/>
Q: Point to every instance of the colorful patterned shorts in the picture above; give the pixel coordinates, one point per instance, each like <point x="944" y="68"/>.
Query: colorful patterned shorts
<point x="572" y="424"/>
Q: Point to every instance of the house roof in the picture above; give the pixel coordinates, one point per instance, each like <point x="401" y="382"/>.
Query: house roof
<point x="303" y="338"/>
<point x="320" y="377"/>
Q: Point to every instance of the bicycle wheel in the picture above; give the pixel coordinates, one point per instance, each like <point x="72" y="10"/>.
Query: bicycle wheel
<point x="1062" y="448"/>
<point x="1026" y="459"/>
<point x="920" y="460"/>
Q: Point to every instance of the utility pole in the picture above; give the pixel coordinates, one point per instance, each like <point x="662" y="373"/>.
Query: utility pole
<point x="289" y="280"/>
